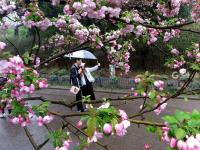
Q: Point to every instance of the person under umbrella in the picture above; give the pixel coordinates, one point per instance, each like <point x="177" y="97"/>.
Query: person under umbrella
<point x="87" y="80"/>
<point x="75" y="79"/>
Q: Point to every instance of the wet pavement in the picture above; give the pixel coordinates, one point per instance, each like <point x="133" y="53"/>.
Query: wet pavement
<point x="14" y="138"/>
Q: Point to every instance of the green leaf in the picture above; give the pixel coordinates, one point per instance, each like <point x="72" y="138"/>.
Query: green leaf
<point x="194" y="123"/>
<point x="195" y="67"/>
<point x="180" y="133"/>
<point x="170" y="119"/>
<point x="151" y="129"/>
<point x="152" y="94"/>
<point x="181" y="116"/>
<point x="91" y="125"/>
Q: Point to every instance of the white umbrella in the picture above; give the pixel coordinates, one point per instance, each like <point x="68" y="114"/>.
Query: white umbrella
<point x="83" y="54"/>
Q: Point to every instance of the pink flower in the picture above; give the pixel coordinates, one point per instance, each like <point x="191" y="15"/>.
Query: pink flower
<point x="44" y="24"/>
<point x="2" y="46"/>
<point x="126" y="123"/>
<point x="175" y="51"/>
<point x="107" y="129"/>
<point x="15" y="120"/>
<point x="47" y="119"/>
<point x="79" y="124"/>
<point x="135" y="94"/>
<point x="173" y="143"/>
<point x="120" y="129"/>
<point x="77" y="5"/>
<point x="66" y="144"/>
<point x="137" y="80"/>
<point x="191" y="142"/>
<point x="123" y="114"/>
<point x="40" y="121"/>
<point x="147" y="146"/>
<point x="180" y="144"/>
<point x="159" y="84"/>
<point x="96" y="136"/>
<point x="67" y="10"/>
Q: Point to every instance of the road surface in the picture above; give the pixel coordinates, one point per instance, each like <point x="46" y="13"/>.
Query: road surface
<point x="13" y="137"/>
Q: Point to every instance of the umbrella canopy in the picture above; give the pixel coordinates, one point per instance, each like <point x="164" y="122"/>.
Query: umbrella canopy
<point x="83" y="54"/>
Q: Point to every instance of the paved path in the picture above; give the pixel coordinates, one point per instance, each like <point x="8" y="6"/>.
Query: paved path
<point x="13" y="137"/>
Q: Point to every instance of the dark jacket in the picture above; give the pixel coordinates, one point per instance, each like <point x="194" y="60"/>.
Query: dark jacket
<point x="75" y="78"/>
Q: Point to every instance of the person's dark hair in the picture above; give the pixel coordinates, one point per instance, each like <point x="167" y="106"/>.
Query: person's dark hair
<point x="77" y="59"/>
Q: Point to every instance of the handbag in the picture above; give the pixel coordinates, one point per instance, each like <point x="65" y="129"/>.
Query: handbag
<point x="75" y="89"/>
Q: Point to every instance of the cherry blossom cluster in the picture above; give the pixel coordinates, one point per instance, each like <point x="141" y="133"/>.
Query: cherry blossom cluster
<point x="17" y="75"/>
<point x="190" y="143"/>
<point x="169" y="12"/>
<point x="194" y="53"/>
<point x="172" y="34"/>
<point x="36" y="19"/>
<point x="91" y="9"/>
<point x="153" y="36"/>
<point x="65" y="146"/>
<point x="119" y="55"/>
<point x="61" y="24"/>
<point x="44" y="120"/>
<point x="56" y="40"/>
<point x="21" y="81"/>
<point x="153" y="90"/>
<point x="183" y="60"/>
<point x="120" y="128"/>
<point x="4" y="25"/>
<point x="181" y="130"/>
<point x="28" y="115"/>
<point x="6" y="6"/>
<point x="196" y="13"/>
<point x="110" y="127"/>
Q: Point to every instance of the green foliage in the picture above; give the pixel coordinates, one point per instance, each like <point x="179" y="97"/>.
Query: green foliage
<point x="42" y="109"/>
<point x="18" y="109"/>
<point x="99" y="117"/>
<point x="57" y="137"/>
<point x="183" y="123"/>
<point x="91" y="126"/>
<point x="180" y="134"/>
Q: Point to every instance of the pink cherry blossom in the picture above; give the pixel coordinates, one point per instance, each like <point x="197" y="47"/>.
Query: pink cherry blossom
<point x="2" y="46"/>
<point x="40" y="121"/>
<point x="79" y="124"/>
<point x="147" y="146"/>
<point x="107" y="128"/>
<point x="66" y="144"/>
<point x="47" y="119"/>
<point x="173" y="143"/>
<point x="97" y="135"/>
<point x="191" y="142"/>
<point x="123" y="114"/>
<point x="175" y="51"/>
<point x="120" y="129"/>
<point x="67" y="10"/>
